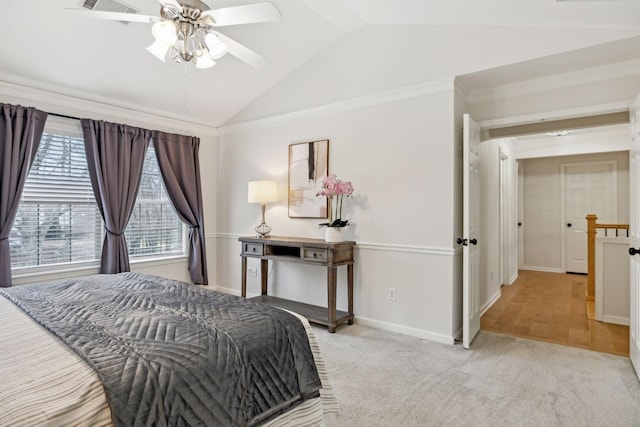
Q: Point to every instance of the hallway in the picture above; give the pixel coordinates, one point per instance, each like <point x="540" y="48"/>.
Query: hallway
<point x="551" y="307"/>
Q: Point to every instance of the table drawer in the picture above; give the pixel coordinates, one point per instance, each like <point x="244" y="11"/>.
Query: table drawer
<point x="314" y="254"/>
<point x="253" y="249"/>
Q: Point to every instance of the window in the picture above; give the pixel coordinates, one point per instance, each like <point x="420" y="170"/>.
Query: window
<point x="154" y="227"/>
<point x="58" y="222"/>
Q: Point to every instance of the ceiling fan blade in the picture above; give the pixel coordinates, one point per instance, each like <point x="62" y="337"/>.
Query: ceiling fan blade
<point x="173" y="3"/>
<point x="243" y="53"/>
<point x="248" y="14"/>
<point x="115" y="16"/>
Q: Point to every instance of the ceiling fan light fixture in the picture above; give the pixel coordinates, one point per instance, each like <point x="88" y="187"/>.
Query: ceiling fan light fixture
<point x="217" y="49"/>
<point x="165" y="31"/>
<point x="158" y="49"/>
<point x="185" y="30"/>
<point x="204" y="61"/>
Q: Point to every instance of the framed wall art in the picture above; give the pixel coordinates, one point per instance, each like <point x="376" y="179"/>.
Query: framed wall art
<point x="308" y="166"/>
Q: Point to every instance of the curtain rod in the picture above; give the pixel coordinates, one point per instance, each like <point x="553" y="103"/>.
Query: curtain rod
<point x="64" y="116"/>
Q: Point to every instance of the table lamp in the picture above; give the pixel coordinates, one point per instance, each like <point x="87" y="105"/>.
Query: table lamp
<point x="262" y="192"/>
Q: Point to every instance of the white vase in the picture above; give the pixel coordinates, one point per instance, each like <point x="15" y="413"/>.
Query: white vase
<point x="333" y="234"/>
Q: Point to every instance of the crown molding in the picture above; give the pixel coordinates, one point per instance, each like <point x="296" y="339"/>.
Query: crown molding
<point x="569" y="113"/>
<point x="557" y="81"/>
<point x="53" y="100"/>
<point x="406" y="92"/>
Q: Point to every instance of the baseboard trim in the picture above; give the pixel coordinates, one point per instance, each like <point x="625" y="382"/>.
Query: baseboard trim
<point x="489" y="303"/>
<point x="513" y="278"/>
<point x="615" y="319"/>
<point x="406" y="330"/>
<point x="544" y="269"/>
<point x="377" y="324"/>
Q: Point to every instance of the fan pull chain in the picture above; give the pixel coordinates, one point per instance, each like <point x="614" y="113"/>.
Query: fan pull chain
<point x="186" y="98"/>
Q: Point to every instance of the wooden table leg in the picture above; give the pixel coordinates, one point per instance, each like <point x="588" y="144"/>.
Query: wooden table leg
<point x="331" y="297"/>
<point x="264" y="275"/>
<point x="244" y="277"/>
<point x="350" y="291"/>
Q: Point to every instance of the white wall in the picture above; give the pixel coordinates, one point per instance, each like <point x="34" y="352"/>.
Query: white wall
<point x="542" y="222"/>
<point x="61" y="104"/>
<point x="398" y="151"/>
<point x="612" y="280"/>
<point x="491" y="152"/>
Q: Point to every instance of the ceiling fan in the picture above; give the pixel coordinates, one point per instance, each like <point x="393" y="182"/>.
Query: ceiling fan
<point x="185" y="30"/>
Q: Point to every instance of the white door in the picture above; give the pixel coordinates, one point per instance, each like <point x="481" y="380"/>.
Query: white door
<point x="589" y="188"/>
<point x="634" y="237"/>
<point x="520" y="168"/>
<point x="470" y="231"/>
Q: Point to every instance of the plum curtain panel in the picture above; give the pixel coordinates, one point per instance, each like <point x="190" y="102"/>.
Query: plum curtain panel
<point x="179" y="164"/>
<point x="115" y="156"/>
<point x="20" y="132"/>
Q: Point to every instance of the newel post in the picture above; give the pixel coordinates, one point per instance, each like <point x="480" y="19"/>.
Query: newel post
<point x="591" y="257"/>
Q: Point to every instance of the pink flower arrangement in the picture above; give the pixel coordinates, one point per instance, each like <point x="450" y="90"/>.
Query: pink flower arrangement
<point x="334" y="188"/>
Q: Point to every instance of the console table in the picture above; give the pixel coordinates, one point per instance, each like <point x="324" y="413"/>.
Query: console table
<point x="305" y="251"/>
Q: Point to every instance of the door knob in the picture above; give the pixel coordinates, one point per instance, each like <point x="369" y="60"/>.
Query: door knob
<point x="461" y="241"/>
<point x="473" y="241"/>
<point x="569" y="225"/>
<point x="634" y="251"/>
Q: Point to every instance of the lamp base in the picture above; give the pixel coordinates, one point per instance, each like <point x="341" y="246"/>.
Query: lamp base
<point x="263" y="230"/>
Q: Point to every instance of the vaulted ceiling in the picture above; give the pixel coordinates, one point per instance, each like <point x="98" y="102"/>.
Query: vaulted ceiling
<point x="46" y="47"/>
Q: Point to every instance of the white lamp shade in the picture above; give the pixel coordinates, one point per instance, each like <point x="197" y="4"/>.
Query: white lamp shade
<point x="262" y="192"/>
<point x="165" y="32"/>
<point x="158" y="49"/>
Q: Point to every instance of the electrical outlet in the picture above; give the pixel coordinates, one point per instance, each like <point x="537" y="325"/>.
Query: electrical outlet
<point x="252" y="271"/>
<point x="391" y="294"/>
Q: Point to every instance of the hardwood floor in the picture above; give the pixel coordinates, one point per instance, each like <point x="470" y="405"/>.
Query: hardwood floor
<point x="551" y="307"/>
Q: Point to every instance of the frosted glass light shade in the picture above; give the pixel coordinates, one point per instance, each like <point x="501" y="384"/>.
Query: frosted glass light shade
<point x="204" y="61"/>
<point x="165" y="32"/>
<point x="217" y="49"/>
<point x="158" y="49"/>
<point x="262" y="192"/>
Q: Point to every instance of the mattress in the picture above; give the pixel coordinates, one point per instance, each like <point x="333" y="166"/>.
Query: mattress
<point x="45" y="382"/>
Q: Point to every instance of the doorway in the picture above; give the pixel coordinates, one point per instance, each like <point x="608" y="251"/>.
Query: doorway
<point x="541" y="223"/>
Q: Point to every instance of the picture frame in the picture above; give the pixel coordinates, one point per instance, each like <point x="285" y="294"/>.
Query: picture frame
<point x="308" y="166"/>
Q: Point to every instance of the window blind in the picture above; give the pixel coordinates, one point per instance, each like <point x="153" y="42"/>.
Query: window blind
<point x="58" y="220"/>
<point x="154" y="227"/>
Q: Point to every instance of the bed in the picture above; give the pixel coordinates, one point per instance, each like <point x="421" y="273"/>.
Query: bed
<point x="136" y="349"/>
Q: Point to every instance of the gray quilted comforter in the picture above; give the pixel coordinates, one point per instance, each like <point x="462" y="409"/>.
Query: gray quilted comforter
<point x="170" y="353"/>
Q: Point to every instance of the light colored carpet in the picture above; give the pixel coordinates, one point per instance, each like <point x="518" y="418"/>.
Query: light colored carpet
<point x="386" y="379"/>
